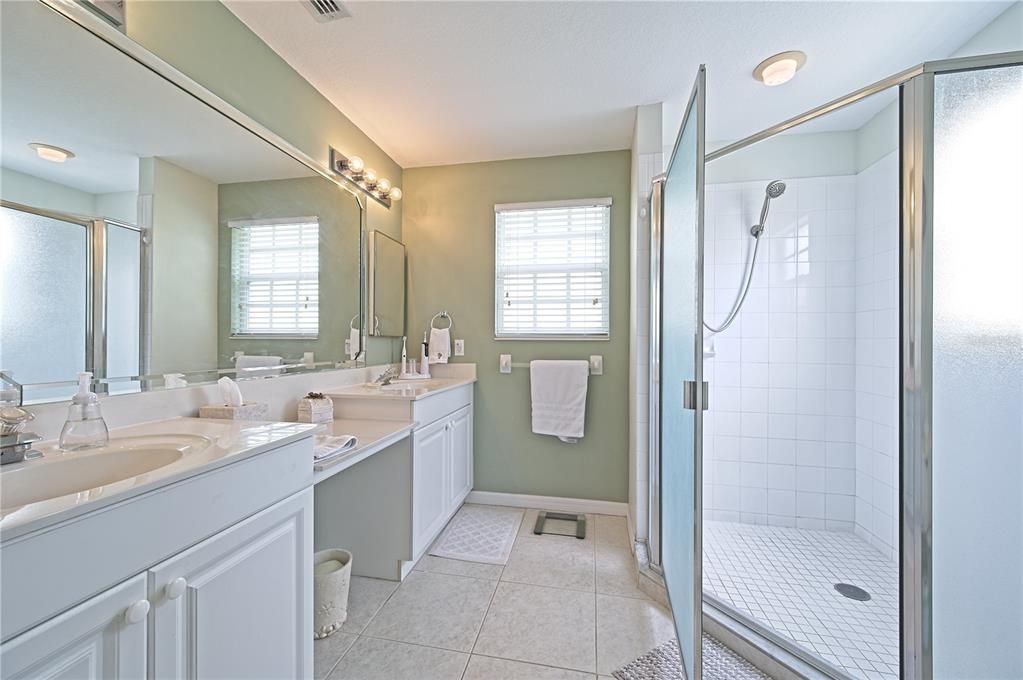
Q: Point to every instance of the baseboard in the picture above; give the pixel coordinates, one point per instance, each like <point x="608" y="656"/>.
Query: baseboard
<point x="520" y="500"/>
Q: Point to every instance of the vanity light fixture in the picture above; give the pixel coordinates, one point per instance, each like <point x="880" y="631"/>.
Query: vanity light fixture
<point x="779" y="68"/>
<point x="353" y="170"/>
<point x="51" y="153"/>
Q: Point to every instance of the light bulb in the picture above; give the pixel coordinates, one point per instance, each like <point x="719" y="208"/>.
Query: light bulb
<point x="779" y="68"/>
<point x="51" y="153"/>
<point x="394" y="194"/>
<point x="370" y="177"/>
<point x="356" y="165"/>
<point x="779" y="72"/>
<point x="384" y="185"/>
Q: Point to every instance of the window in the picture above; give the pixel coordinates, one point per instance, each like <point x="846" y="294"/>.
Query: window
<point x="552" y="269"/>
<point x="275" y="286"/>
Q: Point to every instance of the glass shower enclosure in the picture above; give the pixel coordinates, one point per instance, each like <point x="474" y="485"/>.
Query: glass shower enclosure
<point x="957" y="242"/>
<point x="93" y="273"/>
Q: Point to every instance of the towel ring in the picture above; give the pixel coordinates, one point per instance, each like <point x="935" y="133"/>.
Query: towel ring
<point x="351" y="324"/>
<point x="444" y="314"/>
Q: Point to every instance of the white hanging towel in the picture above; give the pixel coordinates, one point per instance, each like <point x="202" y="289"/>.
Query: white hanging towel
<point x="354" y="343"/>
<point x="440" y="345"/>
<point x="558" y="393"/>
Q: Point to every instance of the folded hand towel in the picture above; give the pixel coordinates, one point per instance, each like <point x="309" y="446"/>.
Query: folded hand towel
<point x="558" y="393"/>
<point x="440" y="345"/>
<point x="326" y="447"/>
<point x="354" y="343"/>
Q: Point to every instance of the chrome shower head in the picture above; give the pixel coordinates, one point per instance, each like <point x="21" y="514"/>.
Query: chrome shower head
<point x="774" y="190"/>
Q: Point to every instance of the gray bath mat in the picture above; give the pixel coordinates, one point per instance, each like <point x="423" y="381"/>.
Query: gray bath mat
<point x="479" y="533"/>
<point x="663" y="663"/>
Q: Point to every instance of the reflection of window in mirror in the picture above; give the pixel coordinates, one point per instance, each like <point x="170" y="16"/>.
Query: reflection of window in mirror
<point x="275" y="287"/>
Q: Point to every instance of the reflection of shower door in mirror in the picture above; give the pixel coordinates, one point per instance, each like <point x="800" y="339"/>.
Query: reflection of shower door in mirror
<point x="681" y="375"/>
<point x="88" y="275"/>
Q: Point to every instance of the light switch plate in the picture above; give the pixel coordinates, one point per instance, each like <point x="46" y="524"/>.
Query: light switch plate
<point x="505" y="363"/>
<point x="596" y="364"/>
<point x="459" y="347"/>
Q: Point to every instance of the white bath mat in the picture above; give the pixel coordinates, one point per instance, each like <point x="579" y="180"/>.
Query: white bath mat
<point x="479" y="533"/>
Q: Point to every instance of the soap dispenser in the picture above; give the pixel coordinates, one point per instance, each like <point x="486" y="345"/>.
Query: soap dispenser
<point x="85" y="427"/>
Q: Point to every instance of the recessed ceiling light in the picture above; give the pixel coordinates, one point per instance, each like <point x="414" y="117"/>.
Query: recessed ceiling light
<point x="48" y="152"/>
<point x="780" y="68"/>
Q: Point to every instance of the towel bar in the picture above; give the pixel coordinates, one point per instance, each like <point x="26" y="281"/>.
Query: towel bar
<point x="505" y="365"/>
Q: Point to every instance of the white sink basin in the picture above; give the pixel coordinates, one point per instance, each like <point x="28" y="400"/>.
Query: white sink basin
<point x="60" y="474"/>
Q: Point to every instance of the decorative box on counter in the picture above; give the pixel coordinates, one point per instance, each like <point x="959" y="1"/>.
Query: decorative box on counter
<point x="315" y="408"/>
<point x="252" y="411"/>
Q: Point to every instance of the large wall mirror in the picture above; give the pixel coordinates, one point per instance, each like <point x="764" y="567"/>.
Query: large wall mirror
<point x="386" y="285"/>
<point x="144" y="233"/>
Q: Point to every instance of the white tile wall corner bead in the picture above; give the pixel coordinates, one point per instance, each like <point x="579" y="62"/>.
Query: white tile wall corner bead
<point x="649" y="166"/>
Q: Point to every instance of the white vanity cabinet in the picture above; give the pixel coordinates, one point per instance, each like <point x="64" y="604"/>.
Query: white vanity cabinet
<point x="230" y="606"/>
<point x="205" y="577"/>
<point x="104" y="638"/>
<point x="441" y="474"/>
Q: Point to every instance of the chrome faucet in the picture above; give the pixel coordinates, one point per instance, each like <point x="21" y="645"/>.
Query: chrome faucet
<point x="387" y="376"/>
<point x="15" y="444"/>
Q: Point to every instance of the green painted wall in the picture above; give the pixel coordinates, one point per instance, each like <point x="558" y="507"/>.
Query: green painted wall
<point x="449" y="230"/>
<point x="339" y="260"/>
<point x="184" y="267"/>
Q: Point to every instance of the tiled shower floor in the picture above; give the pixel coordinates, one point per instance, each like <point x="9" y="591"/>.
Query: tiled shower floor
<point x="784" y="578"/>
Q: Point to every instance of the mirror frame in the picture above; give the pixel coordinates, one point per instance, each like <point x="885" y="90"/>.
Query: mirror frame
<point x="88" y="20"/>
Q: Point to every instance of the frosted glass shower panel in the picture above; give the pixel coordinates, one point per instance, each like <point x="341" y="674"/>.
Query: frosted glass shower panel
<point x="124" y="267"/>
<point x="978" y="375"/>
<point x="43" y="296"/>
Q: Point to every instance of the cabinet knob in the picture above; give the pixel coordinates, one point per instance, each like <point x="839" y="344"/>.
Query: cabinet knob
<point x="137" y="612"/>
<point x="175" y="588"/>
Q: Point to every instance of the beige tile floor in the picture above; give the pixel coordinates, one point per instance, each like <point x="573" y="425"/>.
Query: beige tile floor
<point x="561" y="609"/>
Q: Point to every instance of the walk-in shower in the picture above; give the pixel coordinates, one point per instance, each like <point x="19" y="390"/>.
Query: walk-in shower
<point x="851" y="324"/>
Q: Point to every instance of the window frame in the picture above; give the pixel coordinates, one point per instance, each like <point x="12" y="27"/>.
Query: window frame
<point x="234" y="226"/>
<point x="605" y="203"/>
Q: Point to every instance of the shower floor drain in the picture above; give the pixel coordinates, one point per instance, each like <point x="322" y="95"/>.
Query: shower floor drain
<point x="852" y="592"/>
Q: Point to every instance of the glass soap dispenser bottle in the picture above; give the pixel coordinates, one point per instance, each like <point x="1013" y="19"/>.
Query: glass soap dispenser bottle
<point x="85" y="427"/>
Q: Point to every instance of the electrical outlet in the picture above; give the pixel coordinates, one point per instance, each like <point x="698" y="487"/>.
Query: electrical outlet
<point x="459" y="347"/>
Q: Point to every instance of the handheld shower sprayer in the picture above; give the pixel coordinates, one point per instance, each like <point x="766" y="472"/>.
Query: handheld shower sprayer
<point x="774" y="190"/>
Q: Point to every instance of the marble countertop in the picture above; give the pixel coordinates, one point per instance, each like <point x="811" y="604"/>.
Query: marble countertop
<point x="400" y="390"/>
<point x="201" y="445"/>
<point x="374" y="436"/>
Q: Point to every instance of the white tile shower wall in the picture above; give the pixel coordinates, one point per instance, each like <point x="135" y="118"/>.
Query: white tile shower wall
<point x="780" y="435"/>
<point x="877" y="354"/>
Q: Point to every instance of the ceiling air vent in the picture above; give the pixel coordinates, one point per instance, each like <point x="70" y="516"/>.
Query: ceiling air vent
<point x="327" y="10"/>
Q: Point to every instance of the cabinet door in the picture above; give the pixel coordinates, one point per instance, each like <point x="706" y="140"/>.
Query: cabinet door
<point x="429" y="484"/>
<point x="104" y="637"/>
<point x="239" y="604"/>
<point x="460" y="433"/>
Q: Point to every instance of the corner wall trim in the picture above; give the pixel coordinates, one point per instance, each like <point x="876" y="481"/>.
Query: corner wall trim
<point x="518" y="500"/>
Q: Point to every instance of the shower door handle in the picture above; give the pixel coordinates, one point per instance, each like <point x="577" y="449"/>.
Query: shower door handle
<point x="693" y="397"/>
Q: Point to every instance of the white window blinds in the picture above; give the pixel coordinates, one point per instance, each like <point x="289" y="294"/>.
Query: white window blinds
<point x="275" y="277"/>
<point x="552" y="269"/>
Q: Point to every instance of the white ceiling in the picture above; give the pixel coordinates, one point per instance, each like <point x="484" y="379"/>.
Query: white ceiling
<point x="450" y="82"/>
<point x="73" y="91"/>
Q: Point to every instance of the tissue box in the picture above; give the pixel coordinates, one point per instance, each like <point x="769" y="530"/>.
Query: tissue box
<point x="315" y="410"/>
<point x="253" y="411"/>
